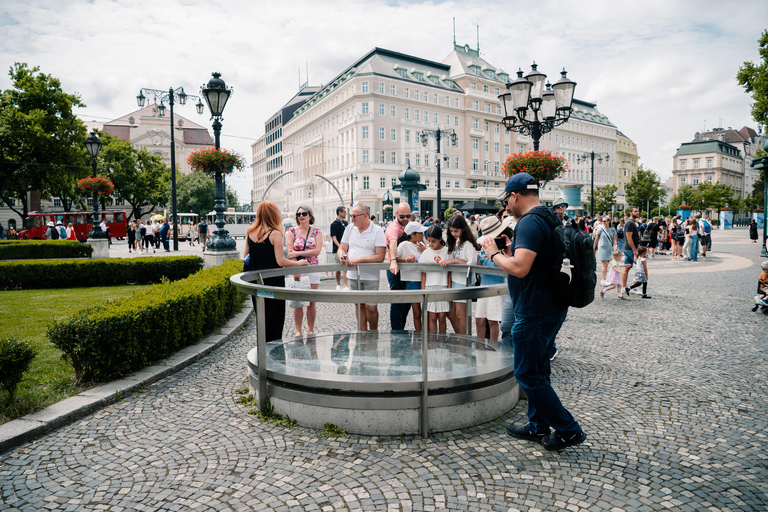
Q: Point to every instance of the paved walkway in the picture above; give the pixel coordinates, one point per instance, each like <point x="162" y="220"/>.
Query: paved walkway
<point x="671" y="391"/>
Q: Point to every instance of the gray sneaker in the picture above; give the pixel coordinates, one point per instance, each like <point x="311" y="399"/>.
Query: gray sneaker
<point x="526" y="432"/>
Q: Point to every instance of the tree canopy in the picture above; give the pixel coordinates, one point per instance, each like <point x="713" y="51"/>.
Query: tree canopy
<point x="41" y="139"/>
<point x="194" y="193"/>
<point x="644" y="188"/>
<point x="754" y="79"/>
<point x="605" y="199"/>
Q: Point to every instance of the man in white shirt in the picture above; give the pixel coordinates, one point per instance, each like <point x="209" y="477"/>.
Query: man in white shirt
<point x="363" y="242"/>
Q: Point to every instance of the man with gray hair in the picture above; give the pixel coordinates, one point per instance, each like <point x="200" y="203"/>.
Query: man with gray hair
<point x="363" y="242"/>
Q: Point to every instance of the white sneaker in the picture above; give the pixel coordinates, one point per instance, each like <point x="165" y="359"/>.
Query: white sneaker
<point x="346" y="288"/>
<point x="338" y="287"/>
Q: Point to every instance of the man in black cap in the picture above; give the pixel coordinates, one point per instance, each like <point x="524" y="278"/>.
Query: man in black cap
<point x="538" y="317"/>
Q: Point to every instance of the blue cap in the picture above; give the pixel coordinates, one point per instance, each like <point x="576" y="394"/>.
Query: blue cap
<point x="518" y="182"/>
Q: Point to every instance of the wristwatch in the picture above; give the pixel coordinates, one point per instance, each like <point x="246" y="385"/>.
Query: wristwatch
<point x="494" y="254"/>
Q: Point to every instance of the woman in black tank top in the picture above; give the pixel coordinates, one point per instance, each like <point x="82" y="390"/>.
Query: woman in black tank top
<point x="264" y="244"/>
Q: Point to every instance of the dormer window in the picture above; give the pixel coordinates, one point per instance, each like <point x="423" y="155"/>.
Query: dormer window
<point x="434" y="80"/>
<point x="491" y="74"/>
<point x="403" y="73"/>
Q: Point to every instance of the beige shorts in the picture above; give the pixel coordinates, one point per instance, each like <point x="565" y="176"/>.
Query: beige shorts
<point x="364" y="285"/>
<point x="490" y="308"/>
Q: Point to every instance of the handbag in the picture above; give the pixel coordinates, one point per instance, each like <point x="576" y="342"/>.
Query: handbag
<point x="302" y="284"/>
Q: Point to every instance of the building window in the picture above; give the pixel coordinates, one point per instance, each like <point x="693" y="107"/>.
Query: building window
<point x="416" y="114"/>
<point x="475" y="105"/>
<point x="520" y="148"/>
<point x="434" y="96"/>
<point x="485" y="165"/>
<point x="447" y="120"/>
<point x="365" y="132"/>
<point x="407" y="92"/>
<point x="695" y="163"/>
<point x="475" y="164"/>
<point x="475" y="123"/>
<point x="682" y="181"/>
<point x="394" y="182"/>
<point x="447" y="184"/>
<point x="456" y="121"/>
<point x="435" y="118"/>
<point x="455" y="184"/>
<point x="682" y="165"/>
<point x="473" y="86"/>
<point x="496" y="147"/>
<point x="426" y="116"/>
<point x="381" y="157"/>
<point x="392" y="90"/>
<point x="485" y="146"/>
<point x="365" y="86"/>
<point x="407" y="158"/>
<point x="418" y="160"/>
<point x="381" y="87"/>
<point x="497" y="185"/>
<point x="381" y="109"/>
<point x="393" y="134"/>
<point x="381" y="133"/>
<point x="426" y="160"/>
<point x="365" y="156"/>
<point x="447" y="101"/>
<point x="495" y="127"/>
<point x="506" y="149"/>
<point x="416" y="94"/>
<point x="496" y="91"/>
<point x="402" y="73"/>
<point x="709" y="163"/>
<point x="366" y="183"/>
<point x="393" y="111"/>
<point x="695" y="180"/>
<point x="475" y="144"/>
<point x="382" y="182"/>
<point x="456" y="102"/>
<point x="407" y="135"/>
<point x="365" y="108"/>
<point x="407" y="112"/>
<point x="709" y="179"/>
<point x="456" y="163"/>
<point x="393" y="158"/>
<point x="474" y="184"/>
<point x="426" y="183"/>
<point x="496" y="166"/>
<point x="485" y="126"/>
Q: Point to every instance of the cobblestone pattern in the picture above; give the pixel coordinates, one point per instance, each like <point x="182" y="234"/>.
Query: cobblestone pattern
<point x="671" y="392"/>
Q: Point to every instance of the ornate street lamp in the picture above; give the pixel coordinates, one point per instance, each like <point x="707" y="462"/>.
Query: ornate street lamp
<point x="171" y="96"/>
<point x="530" y="109"/>
<point x="591" y="156"/>
<point x="438" y="135"/>
<point x="93" y="146"/>
<point x="216" y="94"/>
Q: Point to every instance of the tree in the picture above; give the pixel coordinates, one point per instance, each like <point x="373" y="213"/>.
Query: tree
<point x="685" y="195"/>
<point x="41" y="139"/>
<point x="140" y="178"/>
<point x="644" y="188"/>
<point x="714" y="196"/>
<point x="754" y="79"/>
<point x="195" y="193"/>
<point x="605" y="198"/>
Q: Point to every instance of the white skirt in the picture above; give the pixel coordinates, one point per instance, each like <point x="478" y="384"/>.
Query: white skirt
<point x="442" y="306"/>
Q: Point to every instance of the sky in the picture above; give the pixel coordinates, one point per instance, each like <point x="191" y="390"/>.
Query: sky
<point x="660" y="70"/>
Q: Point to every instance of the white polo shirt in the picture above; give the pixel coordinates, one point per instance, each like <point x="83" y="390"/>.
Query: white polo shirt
<point x="363" y="244"/>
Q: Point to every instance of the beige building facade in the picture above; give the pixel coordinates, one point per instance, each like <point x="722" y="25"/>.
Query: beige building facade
<point x="361" y="130"/>
<point x="708" y="161"/>
<point x="626" y="166"/>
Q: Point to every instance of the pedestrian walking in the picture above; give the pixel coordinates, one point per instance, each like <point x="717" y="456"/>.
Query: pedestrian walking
<point x="202" y="232"/>
<point x="753" y="231"/>
<point x="641" y="273"/>
<point x="605" y="243"/>
<point x="131" y="234"/>
<point x="538" y="317"/>
<point x="613" y="279"/>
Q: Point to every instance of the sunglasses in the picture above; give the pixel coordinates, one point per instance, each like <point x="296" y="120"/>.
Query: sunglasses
<point x="355" y="215"/>
<point x="302" y="214"/>
<point x="404" y="216"/>
<point x="561" y="205"/>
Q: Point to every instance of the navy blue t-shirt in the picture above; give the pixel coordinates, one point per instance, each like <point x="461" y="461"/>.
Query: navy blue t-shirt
<point x="529" y="294"/>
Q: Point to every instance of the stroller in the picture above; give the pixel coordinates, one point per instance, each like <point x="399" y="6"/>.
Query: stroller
<point x="759" y="304"/>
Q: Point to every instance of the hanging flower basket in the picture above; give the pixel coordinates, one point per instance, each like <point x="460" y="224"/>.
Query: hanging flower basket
<point x="758" y="210"/>
<point x="683" y="207"/>
<point x="210" y="160"/>
<point x="100" y="185"/>
<point x="726" y="209"/>
<point x="542" y="165"/>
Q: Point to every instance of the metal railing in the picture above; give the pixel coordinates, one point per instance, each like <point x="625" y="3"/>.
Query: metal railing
<point x="252" y="283"/>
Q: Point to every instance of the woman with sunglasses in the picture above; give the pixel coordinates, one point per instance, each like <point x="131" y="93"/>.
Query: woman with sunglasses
<point x="305" y="242"/>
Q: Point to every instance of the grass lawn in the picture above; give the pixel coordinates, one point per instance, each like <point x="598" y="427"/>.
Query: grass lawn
<point x="27" y="314"/>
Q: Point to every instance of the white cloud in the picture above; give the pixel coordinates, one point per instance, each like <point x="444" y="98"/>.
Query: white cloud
<point x="657" y="69"/>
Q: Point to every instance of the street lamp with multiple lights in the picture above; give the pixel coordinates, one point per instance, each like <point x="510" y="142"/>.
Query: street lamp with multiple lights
<point x="216" y="94"/>
<point x="93" y="146"/>
<point x="591" y="156"/>
<point x="438" y="135"/>
<point x="529" y="109"/>
<point x="171" y="96"/>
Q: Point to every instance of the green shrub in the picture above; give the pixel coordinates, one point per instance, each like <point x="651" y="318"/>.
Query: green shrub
<point x="15" y="358"/>
<point x="30" y="275"/>
<point x="125" y="335"/>
<point x="41" y="249"/>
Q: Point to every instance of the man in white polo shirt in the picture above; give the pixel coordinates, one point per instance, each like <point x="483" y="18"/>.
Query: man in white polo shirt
<point x="363" y="242"/>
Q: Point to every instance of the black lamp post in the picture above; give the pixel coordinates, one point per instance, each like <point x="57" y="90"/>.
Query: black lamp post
<point x="171" y="96"/>
<point x="592" y="155"/>
<point x="526" y="98"/>
<point x="93" y="146"/>
<point x="438" y="135"/>
<point x="352" y="179"/>
<point x="216" y="94"/>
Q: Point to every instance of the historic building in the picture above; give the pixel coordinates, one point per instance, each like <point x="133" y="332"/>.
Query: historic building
<point x="626" y="166"/>
<point x="366" y="126"/>
<point x="142" y="128"/>
<point x="710" y="161"/>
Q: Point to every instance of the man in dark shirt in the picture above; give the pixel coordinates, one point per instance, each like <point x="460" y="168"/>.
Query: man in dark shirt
<point x="631" y="243"/>
<point x="653" y="229"/>
<point x="337" y="231"/>
<point x="202" y="232"/>
<point x="538" y="318"/>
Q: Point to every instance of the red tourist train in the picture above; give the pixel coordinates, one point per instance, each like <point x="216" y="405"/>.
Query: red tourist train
<point x="36" y="223"/>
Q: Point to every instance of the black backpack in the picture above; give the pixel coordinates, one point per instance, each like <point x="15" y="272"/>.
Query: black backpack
<point x="54" y="233"/>
<point x="577" y="246"/>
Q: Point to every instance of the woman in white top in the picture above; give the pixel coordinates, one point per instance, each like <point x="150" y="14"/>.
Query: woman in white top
<point x="462" y="250"/>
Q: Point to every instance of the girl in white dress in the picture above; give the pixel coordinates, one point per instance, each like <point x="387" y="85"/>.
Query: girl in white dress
<point x="435" y="254"/>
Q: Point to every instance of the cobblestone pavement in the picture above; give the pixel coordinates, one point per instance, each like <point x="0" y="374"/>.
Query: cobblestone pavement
<point x="671" y="391"/>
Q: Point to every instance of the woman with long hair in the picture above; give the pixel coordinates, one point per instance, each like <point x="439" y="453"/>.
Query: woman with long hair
<point x="264" y="250"/>
<point x="462" y="250"/>
<point x="305" y="242"/>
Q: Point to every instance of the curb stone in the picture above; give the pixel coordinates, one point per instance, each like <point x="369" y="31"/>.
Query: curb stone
<point x="71" y="409"/>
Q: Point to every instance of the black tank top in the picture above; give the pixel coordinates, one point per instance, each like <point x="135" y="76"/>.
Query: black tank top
<point x="262" y="254"/>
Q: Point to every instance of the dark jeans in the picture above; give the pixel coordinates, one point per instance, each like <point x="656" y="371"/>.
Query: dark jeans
<point x="534" y="345"/>
<point x="166" y="246"/>
<point x="398" y="313"/>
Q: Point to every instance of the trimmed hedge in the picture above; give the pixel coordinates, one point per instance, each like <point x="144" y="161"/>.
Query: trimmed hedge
<point x="15" y="358"/>
<point x="40" y="249"/>
<point x="30" y="275"/>
<point x="125" y="335"/>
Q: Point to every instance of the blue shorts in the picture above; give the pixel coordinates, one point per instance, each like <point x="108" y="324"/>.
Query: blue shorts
<point x="629" y="257"/>
<point x="412" y="285"/>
